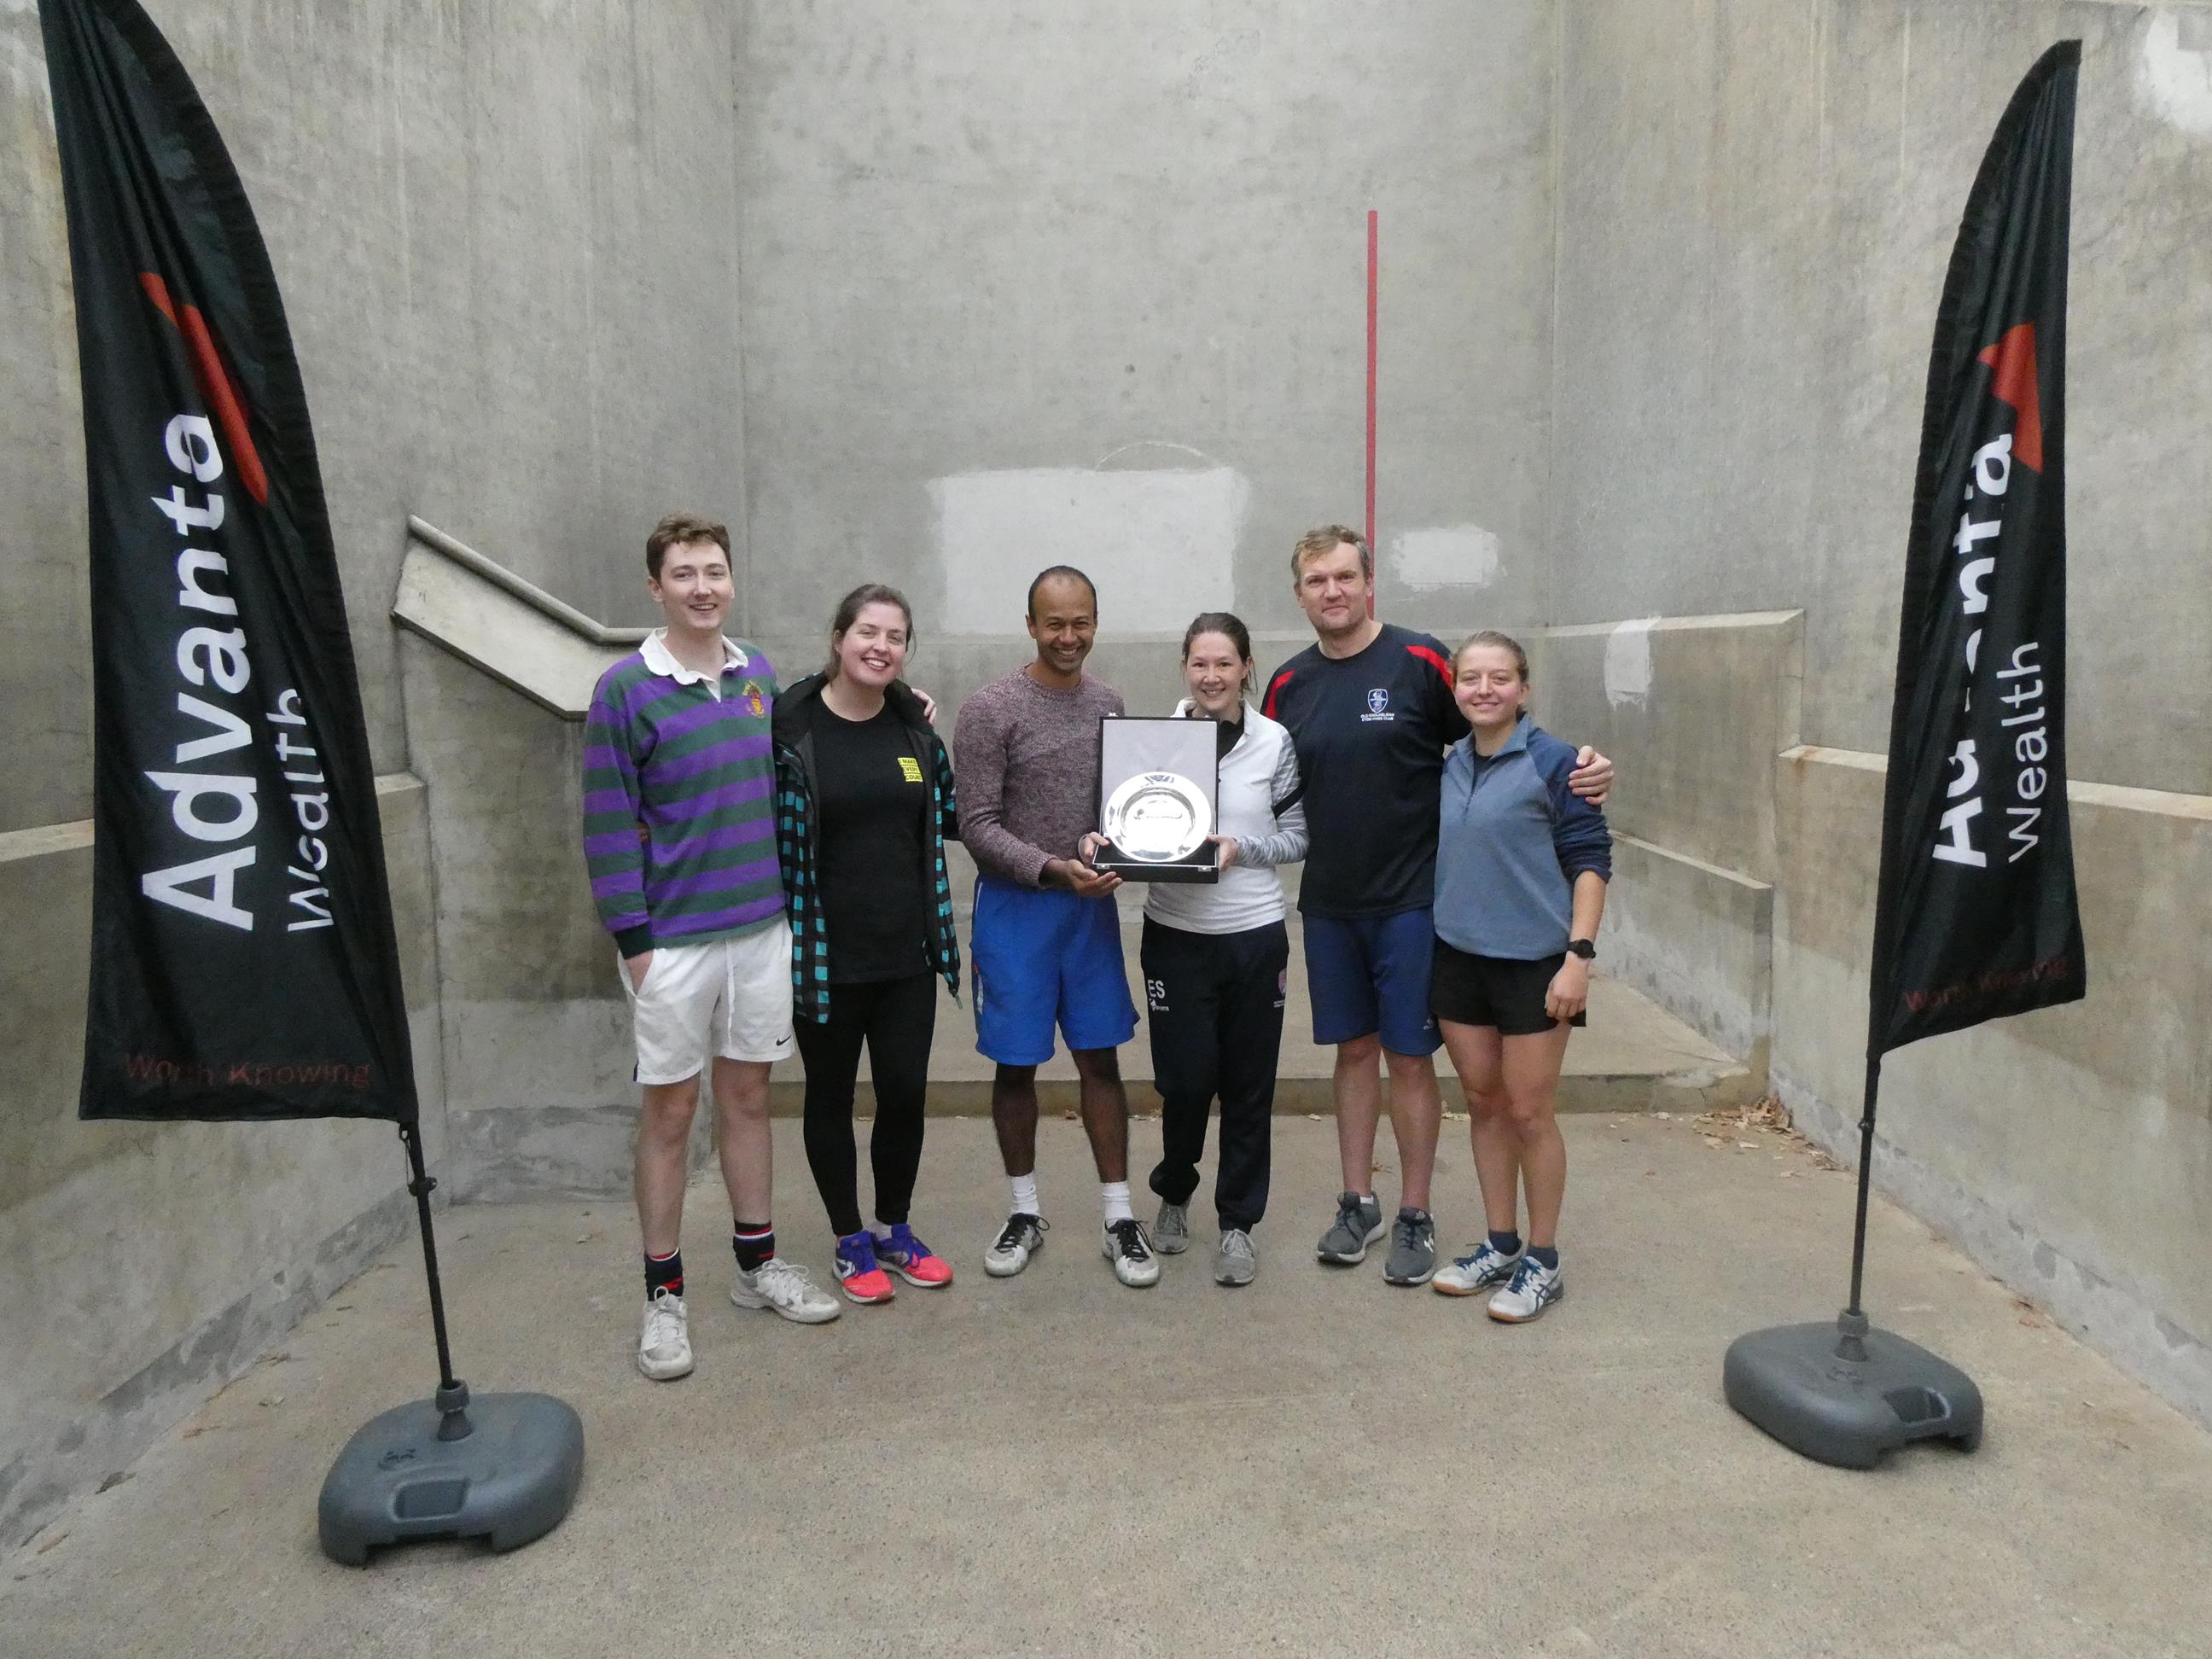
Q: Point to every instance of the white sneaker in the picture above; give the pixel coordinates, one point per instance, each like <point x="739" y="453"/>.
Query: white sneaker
<point x="1532" y="1288"/>
<point x="1484" y="1265"/>
<point x="788" y="1289"/>
<point x="1022" y="1238"/>
<point x="664" y="1347"/>
<point x="1124" y="1244"/>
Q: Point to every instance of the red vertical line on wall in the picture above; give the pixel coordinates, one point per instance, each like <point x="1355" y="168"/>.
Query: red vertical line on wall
<point x="1373" y="268"/>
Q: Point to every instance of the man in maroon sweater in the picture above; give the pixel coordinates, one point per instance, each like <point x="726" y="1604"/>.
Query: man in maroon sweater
<point x="1046" y="940"/>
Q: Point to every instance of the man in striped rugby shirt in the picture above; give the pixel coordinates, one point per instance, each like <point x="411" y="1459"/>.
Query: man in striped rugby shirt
<point x="679" y="835"/>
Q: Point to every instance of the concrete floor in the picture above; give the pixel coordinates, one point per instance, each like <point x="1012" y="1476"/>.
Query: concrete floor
<point x="1055" y="1464"/>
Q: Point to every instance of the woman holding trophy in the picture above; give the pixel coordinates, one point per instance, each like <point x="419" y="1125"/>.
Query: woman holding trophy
<point x="1215" y="956"/>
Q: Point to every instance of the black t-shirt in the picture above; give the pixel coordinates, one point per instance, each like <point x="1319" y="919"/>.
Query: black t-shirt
<point x="1371" y="731"/>
<point x="871" y="795"/>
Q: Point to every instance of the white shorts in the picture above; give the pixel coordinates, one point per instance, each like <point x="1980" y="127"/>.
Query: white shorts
<point x="730" y="997"/>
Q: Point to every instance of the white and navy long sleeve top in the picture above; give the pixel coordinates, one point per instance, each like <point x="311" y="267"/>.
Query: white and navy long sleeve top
<point x="1259" y="808"/>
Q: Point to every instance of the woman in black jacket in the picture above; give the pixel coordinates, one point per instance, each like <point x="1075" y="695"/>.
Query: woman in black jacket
<point x="864" y="807"/>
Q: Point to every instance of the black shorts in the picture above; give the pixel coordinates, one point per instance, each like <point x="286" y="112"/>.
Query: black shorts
<point x="1471" y="990"/>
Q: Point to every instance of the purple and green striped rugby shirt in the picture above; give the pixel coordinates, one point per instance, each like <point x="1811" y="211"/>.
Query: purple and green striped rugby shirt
<point x="679" y="799"/>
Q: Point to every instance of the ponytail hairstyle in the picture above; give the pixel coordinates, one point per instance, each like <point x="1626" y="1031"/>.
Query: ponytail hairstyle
<point x="1505" y="642"/>
<point x="1222" y="621"/>
<point x="848" y="612"/>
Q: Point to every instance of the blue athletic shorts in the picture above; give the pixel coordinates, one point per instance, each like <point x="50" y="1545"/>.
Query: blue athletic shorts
<point x="1042" y="957"/>
<point x="1369" y="975"/>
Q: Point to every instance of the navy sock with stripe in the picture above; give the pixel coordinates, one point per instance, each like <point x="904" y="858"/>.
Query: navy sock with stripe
<point x="754" y="1243"/>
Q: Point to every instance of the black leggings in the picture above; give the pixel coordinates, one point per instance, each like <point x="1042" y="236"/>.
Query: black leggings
<point x="897" y="1018"/>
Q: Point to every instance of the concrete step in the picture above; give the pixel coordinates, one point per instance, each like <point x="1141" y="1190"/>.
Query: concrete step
<point x="1633" y="1057"/>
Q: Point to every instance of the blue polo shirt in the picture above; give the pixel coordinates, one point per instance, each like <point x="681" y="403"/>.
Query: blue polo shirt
<point x="1511" y="838"/>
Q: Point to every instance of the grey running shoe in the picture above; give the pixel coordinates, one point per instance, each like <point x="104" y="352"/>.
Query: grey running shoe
<point x="1413" y="1259"/>
<point x="1171" y="1232"/>
<point x="1484" y="1265"/>
<point x="1535" y="1288"/>
<point x="1358" y="1224"/>
<point x="1237" y="1265"/>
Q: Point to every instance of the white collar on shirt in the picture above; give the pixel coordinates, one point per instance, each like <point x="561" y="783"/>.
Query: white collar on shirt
<point x="661" y="660"/>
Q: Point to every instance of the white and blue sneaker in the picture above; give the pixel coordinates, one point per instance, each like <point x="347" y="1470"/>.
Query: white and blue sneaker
<point x="1477" y="1271"/>
<point x="1532" y="1288"/>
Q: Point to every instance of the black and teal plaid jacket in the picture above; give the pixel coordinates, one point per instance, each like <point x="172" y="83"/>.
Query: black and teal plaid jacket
<point x="798" y="840"/>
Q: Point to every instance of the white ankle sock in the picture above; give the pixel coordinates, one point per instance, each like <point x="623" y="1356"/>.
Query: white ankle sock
<point x="1025" y="1194"/>
<point x="1114" y="1195"/>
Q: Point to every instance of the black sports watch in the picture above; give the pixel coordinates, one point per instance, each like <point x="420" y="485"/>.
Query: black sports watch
<point x="1586" y="948"/>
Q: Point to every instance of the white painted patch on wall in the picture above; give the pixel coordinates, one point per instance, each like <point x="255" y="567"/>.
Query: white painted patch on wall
<point x="1454" y="555"/>
<point x="1628" y="663"/>
<point x="2173" y="70"/>
<point x="1159" y="543"/>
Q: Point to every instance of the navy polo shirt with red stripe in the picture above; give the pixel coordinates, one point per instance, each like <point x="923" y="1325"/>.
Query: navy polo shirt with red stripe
<point x="1371" y="731"/>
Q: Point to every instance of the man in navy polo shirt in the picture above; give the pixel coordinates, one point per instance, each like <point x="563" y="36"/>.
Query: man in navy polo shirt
<point x="1370" y="708"/>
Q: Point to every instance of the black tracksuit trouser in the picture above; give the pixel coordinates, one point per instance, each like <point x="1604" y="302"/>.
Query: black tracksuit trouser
<point x="1214" y="1003"/>
<point x="897" y="1018"/>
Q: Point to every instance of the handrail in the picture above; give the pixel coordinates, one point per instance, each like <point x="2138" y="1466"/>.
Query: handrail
<point x="529" y="592"/>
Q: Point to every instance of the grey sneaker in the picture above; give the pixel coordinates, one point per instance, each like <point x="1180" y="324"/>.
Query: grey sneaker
<point x="1235" y="1265"/>
<point x="1358" y="1224"/>
<point x="1413" y="1259"/>
<point x="1171" y="1232"/>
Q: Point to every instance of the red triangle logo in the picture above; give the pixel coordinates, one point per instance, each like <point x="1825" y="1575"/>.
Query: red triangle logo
<point x="2012" y="357"/>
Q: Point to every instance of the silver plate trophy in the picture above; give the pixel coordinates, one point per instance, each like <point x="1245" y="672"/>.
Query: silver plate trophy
<point x="1157" y="784"/>
<point x="1157" y="816"/>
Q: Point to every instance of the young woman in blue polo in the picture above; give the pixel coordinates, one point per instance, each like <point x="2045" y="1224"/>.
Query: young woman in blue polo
<point x="1521" y="867"/>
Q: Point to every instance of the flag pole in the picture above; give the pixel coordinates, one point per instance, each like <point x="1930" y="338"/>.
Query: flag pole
<point x="453" y="1396"/>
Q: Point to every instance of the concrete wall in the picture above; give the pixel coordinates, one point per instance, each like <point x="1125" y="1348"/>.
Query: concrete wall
<point x="507" y="238"/>
<point x="1757" y="202"/>
<point x="1032" y="283"/>
<point x="1757" y="199"/>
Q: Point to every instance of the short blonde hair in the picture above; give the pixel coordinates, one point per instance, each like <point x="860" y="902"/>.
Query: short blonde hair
<point x="1326" y="539"/>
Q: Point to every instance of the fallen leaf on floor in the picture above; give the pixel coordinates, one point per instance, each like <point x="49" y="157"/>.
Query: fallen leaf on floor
<point x="1313" y="1117"/>
<point x="114" y="1480"/>
<point x="1789" y="1175"/>
<point x="1072" y="1117"/>
<point x="1710" y="1140"/>
<point x="585" y="1238"/>
<point x="50" y="1542"/>
<point x="281" y="1356"/>
<point x="274" y="1400"/>
<point x="1748" y="1146"/>
<point x="1663" y="1116"/>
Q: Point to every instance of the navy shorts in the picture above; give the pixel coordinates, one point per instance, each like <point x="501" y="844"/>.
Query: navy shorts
<point x="1044" y="957"/>
<point x="1369" y="975"/>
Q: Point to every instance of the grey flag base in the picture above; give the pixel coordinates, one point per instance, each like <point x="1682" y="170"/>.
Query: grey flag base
<point x="504" y="1467"/>
<point x="508" y="1479"/>
<point x="1844" y="1394"/>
